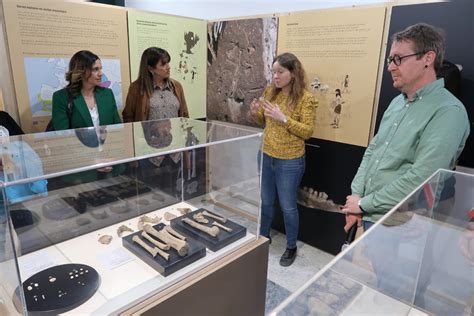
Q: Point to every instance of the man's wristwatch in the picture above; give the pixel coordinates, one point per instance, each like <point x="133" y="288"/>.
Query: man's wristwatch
<point x="358" y="203"/>
<point x="285" y="120"/>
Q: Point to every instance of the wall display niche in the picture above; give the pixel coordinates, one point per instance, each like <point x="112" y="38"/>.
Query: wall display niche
<point x="330" y="167"/>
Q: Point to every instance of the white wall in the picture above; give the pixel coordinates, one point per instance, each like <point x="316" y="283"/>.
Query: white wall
<point x="218" y="9"/>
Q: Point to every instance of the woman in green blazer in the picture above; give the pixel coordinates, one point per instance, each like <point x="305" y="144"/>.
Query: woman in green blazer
<point x="92" y="105"/>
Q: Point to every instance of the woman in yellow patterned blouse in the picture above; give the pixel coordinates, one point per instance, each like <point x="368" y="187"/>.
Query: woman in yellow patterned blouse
<point x="288" y="111"/>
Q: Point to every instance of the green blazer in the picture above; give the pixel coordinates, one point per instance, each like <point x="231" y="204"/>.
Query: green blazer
<point x="81" y="117"/>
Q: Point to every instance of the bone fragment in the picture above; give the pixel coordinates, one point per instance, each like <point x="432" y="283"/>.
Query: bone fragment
<point x="122" y="229"/>
<point x="221" y="226"/>
<point x="105" y="239"/>
<point x="180" y="245"/>
<point x="221" y="219"/>
<point x="155" y="242"/>
<point x="165" y="255"/>
<point x="184" y="210"/>
<point x="153" y="251"/>
<point x="198" y="217"/>
<point x="169" y="216"/>
<point x="173" y="232"/>
<point x="147" y="219"/>
<point x="150" y="219"/>
<point x="212" y="231"/>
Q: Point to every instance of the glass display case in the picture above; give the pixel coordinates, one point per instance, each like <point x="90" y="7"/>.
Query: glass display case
<point x="94" y="221"/>
<point x="417" y="260"/>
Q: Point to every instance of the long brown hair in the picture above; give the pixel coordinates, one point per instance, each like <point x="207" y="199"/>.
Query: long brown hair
<point x="80" y="63"/>
<point x="298" y="82"/>
<point x="150" y="57"/>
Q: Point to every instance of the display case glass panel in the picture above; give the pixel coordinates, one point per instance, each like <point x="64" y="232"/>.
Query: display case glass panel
<point x="417" y="260"/>
<point x="98" y="216"/>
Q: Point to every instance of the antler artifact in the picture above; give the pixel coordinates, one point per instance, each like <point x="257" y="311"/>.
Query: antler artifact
<point x="213" y="231"/>
<point x="152" y="251"/>
<point x="165" y="255"/>
<point x="155" y="242"/>
<point x="180" y="245"/>
<point x="173" y="232"/>
<point x="222" y="226"/>
<point x="198" y="217"/>
<point x="221" y="219"/>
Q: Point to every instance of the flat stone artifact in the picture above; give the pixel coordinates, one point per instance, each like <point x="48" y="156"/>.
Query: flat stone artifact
<point x="212" y="231"/>
<point x="168" y="216"/>
<point x="122" y="229"/>
<point x="184" y="210"/>
<point x="180" y="245"/>
<point x="221" y="219"/>
<point x="222" y="226"/>
<point x="198" y="217"/>
<point x="105" y="239"/>
<point x="153" y="251"/>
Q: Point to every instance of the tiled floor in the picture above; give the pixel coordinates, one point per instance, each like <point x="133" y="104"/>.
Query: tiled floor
<point x="282" y="281"/>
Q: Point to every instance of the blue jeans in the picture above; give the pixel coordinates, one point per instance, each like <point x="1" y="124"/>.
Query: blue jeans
<point x="282" y="176"/>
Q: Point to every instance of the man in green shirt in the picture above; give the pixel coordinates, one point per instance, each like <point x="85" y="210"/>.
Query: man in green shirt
<point x="423" y="129"/>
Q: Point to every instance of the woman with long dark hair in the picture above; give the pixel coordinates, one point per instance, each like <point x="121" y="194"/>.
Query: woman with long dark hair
<point x="84" y="103"/>
<point x="287" y="110"/>
<point x="154" y="95"/>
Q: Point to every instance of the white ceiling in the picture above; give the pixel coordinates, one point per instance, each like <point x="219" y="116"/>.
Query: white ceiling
<point x="215" y="9"/>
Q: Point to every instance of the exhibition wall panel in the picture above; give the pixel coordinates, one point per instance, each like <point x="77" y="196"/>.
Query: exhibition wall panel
<point x="340" y="51"/>
<point x="42" y="36"/>
<point x="455" y="18"/>
<point x="185" y="40"/>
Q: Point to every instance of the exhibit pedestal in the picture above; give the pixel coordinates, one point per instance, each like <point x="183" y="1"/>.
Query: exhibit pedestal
<point x="233" y="285"/>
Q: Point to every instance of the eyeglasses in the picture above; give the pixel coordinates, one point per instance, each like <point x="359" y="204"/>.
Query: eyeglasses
<point x="397" y="60"/>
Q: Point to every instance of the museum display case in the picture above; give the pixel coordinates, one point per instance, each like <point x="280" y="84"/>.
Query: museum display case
<point x="417" y="260"/>
<point x="99" y="220"/>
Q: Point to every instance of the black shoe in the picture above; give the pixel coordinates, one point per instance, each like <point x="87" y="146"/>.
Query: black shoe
<point x="288" y="257"/>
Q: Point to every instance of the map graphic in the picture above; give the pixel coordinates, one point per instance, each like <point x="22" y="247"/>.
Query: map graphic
<point x="46" y="75"/>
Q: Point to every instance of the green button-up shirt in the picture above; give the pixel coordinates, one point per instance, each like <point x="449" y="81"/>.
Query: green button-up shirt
<point x="415" y="139"/>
